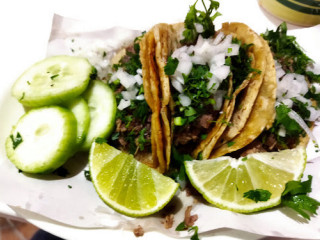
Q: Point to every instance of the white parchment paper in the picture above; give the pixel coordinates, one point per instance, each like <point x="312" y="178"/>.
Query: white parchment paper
<point x="73" y="200"/>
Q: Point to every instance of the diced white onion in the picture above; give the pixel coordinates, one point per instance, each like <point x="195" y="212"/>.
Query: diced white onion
<point x="130" y="94"/>
<point x="179" y="78"/>
<point x="218" y="38"/>
<point x="221" y="72"/>
<point x="212" y="52"/>
<point x="282" y="131"/>
<point x="139" y="71"/>
<point x="218" y="60"/>
<point x="291" y="85"/>
<point x="199" y="27"/>
<point x="314" y="68"/>
<point x="123" y="104"/>
<point x="316" y="87"/>
<point x="314" y="114"/>
<point x="140" y="97"/>
<point x="280" y="73"/>
<point x="288" y="102"/>
<point x="218" y="97"/>
<point x="125" y="78"/>
<point x="295" y="116"/>
<point x="138" y="79"/>
<point x="177" y="52"/>
<point x="213" y="84"/>
<point x="184" y="67"/>
<point x="184" y="100"/>
<point x="196" y="59"/>
<point x="233" y="50"/>
<point x="226" y="42"/>
<point x="177" y="85"/>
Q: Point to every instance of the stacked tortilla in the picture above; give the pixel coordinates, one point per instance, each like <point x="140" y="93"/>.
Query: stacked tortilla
<point x="248" y="110"/>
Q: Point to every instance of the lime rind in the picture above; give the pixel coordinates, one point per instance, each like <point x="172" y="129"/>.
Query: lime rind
<point x="225" y="187"/>
<point x="126" y="185"/>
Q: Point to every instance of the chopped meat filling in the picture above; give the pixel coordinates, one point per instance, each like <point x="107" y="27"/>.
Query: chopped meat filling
<point x="189" y="219"/>
<point x="138" y="231"/>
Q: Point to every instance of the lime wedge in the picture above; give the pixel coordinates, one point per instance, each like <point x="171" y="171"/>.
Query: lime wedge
<point x="127" y="185"/>
<point x="224" y="180"/>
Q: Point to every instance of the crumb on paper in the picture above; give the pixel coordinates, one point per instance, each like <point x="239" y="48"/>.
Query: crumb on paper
<point x="138" y="231"/>
<point x="168" y="221"/>
<point x="189" y="219"/>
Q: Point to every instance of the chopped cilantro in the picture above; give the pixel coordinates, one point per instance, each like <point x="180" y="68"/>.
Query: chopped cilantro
<point x="87" y="175"/>
<point x="182" y="227"/>
<point x="311" y="94"/>
<point x="93" y="74"/>
<point x="287" y="51"/>
<point x="258" y="195"/>
<point x="313" y="77"/>
<point x="231" y="143"/>
<point x="131" y="62"/>
<point x="100" y="140"/>
<point x="282" y="118"/>
<point x="131" y="140"/>
<point x="177" y="169"/>
<point x="244" y="159"/>
<point x="16" y="140"/>
<point x="115" y="136"/>
<point x="295" y="197"/>
<point x="195" y="233"/>
<point x="142" y="140"/>
<point x="54" y="76"/>
<point x="179" y="121"/>
<point x="189" y="111"/>
<point x="171" y="66"/>
<point x="205" y="18"/>
<point x="140" y="110"/>
<point x="301" y="108"/>
<point x="22" y="97"/>
<point x="240" y="65"/>
<point x="197" y="90"/>
<point x="203" y="136"/>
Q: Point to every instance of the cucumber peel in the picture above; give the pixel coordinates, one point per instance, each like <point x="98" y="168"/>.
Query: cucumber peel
<point x="80" y="109"/>
<point x="102" y="107"/>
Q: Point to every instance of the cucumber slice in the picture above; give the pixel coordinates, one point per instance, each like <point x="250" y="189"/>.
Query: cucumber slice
<point x="80" y="110"/>
<point x="102" y="107"/>
<point x="42" y="140"/>
<point x="53" y="80"/>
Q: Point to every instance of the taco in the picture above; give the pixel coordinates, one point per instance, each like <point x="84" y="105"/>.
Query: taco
<point x="296" y="101"/>
<point x="209" y="77"/>
<point x="297" y="96"/>
<point x="256" y="109"/>
<point x="135" y="82"/>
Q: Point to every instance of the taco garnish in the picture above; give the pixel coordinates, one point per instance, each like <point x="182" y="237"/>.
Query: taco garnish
<point x="133" y="118"/>
<point x="261" y="116"/>
<point x="297" y="93"/>
<point x="204" y="97"/>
